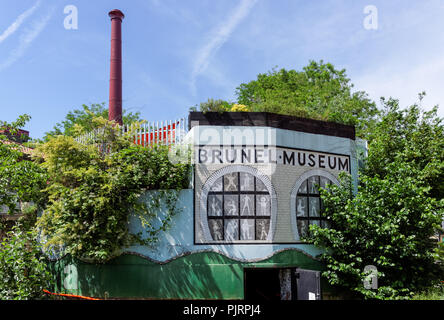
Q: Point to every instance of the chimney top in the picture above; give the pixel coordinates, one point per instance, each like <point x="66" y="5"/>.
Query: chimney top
<point x="116" y="14"/>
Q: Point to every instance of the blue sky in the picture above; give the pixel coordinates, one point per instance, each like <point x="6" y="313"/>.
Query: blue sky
<point x="177" y="54"/>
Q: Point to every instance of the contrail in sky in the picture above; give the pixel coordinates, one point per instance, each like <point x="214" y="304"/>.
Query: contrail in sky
<point x="26" y="39"/>
<point x="221" y="35"/>
<point x="16" y="24"/>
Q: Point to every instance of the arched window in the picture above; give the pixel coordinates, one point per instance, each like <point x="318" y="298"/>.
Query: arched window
<point x="307" y="207"/>
<point x="239" y="205"/>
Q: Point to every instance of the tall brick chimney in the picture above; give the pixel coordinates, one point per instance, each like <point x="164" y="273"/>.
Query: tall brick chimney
<point x="115" y="78"/>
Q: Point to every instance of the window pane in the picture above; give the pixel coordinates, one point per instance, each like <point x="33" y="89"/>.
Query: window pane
<point x="247" y="205"/>
<point x="263" y="207"/>
<point x="314" y="207"/>
<point x="260" y="186"/>
<point x="231" y="229"/>
<point x="313" y="183"/>
<point x="302" y="228"/>
<point x="301" y="207"/>
<point x="231" y="205"/>
<point x="247" y="229"/>
<point x="262" y="228"/>
<point x="246" y="182"/>
<point x="215" y="205"/>
<point x="303" y="187"/>
<point x="325" y="224"/>
<point x="215" y="228"/>
<point x="230" y="182"/>
<point x="232" y="196"/>
<point x="217" y="185"/>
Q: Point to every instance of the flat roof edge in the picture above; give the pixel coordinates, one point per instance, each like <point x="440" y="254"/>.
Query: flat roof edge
<point x="273" y="120"/>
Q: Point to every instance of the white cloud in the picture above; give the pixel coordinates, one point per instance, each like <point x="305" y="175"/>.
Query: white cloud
<point x="17" y="23"/>
<point x="26" y="39"/>
<point x="218" y="37"/>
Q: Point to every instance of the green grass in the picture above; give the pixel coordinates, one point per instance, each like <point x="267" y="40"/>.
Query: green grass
<point x="435" y="293"/>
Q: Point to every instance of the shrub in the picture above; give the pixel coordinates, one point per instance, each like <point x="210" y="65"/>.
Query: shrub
<point x="23" y="268"/>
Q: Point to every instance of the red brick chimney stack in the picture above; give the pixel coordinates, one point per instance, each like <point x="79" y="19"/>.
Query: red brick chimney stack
<point x="115" y="79"/>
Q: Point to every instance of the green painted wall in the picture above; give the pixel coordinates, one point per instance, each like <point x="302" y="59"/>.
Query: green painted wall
<point x="204" y="275"/>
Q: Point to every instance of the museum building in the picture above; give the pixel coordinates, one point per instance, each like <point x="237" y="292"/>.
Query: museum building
<point x="239" y="229"/>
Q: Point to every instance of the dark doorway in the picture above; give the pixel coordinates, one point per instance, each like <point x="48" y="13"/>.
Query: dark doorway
<point x="262" y="284"/>
<point x="272" y="284"/>
<point x="308" y="284"/>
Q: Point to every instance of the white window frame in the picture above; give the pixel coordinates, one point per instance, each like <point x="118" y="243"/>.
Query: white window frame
<point x="204" y="196"/>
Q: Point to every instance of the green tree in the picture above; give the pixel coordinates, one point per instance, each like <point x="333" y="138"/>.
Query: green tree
<point x="398" y="208"/>
<point x="319" y="91"/>
<point x="83" y="117"/>
<point x="411" y="136"/>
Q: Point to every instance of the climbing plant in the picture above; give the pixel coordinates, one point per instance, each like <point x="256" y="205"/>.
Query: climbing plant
<point x="95" y="188"/>
<point x="23" y="268"/>
<point x="21" y="180"/>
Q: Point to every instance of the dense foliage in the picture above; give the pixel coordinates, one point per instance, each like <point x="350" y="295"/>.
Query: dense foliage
<point x="23" y="268"/>
<point x="409" y="136"/>
<point x="398" y="208"/>
<point x="93" y="189"/>
<point x="434" y="293"/>
<point x="319" y="91"/>
<point x="21" y="180"/>
<point x="88" y="193"/>
<point x="213" y="105"/>
<point x="83" y="118"/>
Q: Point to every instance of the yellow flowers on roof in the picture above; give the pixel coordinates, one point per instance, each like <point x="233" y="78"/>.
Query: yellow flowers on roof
<point x="239" y="108"/>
